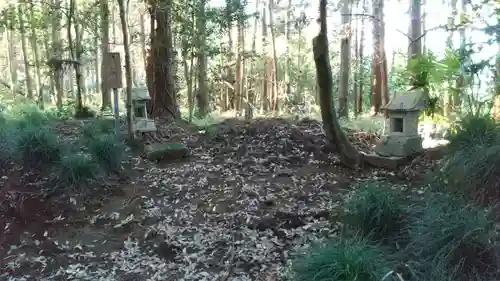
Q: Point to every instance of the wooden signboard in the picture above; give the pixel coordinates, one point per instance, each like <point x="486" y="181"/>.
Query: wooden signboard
<point x="113" y="70"/>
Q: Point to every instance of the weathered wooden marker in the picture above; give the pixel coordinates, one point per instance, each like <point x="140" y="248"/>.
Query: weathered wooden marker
<point x="114" y="81"/>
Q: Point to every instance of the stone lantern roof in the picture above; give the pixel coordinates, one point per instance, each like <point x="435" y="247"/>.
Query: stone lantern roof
<point x="407" y="101"/>
<point x="140" y="94"/>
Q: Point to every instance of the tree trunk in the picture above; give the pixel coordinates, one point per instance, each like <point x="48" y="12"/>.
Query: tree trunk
<point x="383" y="57"/>
<point x="80" y="90"/>
<point x="24" y="47"/>
<point x="160" y="72"/>
<point x="34" y="47"/>
<point x="345" y="60"/>
<point x="448" y="99"/>
<point x="379" y="93"/>
<point x="415" y="41"/>
<point x="238" y="81"/>
<point x="251" y="88"/>
<point x="338" y="139"/>
<point x="230" y="99"/>
<point x="74" y="54"/>
<point x="460" y="83"/>
<point x="424" y="17"/>
<point x="267" y="76"/>
<point x="496" y="77"/>
<point x="357" y="67"/>
<point x="143" y="37"/>
<point x="288" y="31"/>
<point x="97" y="53"/>
<point x="104" y="26"/>
<point x="11" y="42"/>
<point x="57" y="52"/>
<point x="128" y="68"/>
<point x="359" y="102"/>
<point x="275" y="94"/>
<point x="202" y="93"/>
<point x="188" y="75"/>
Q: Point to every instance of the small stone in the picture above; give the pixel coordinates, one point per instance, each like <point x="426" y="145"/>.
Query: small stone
<point x="166" y="151"/>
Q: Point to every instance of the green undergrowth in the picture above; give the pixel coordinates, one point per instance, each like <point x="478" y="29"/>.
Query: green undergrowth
<point x="349" y="259"/>
<point x="29" y="137"/>
<point x="451" y="236"/>
<point x="376" y="213"/>
<point x="471" y="168"/>
<point x="438" y="237"/>
<point x="446" y="233"/>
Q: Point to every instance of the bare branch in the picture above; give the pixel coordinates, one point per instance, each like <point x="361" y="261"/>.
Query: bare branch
<point x="443" y="26"/>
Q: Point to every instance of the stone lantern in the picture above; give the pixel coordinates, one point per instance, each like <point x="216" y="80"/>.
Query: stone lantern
<point x="402" y="138"/>
<point x="142" y="124"/>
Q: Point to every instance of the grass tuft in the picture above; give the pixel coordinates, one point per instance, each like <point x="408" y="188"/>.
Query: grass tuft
<point x="447" y="234"/>
<point x="472" y="131"/>
<point x="342" y="260"/>
<point x="472" y="166"/>
<point x="38" y="146"/>
<point x="376" y="212"/>
<point x="108" y="150"/>
<point x="76" y="169"/>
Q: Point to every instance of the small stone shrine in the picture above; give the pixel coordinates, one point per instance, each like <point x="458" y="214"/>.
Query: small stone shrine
<point x="142" y="124"/>
<point x="402" y="139"/>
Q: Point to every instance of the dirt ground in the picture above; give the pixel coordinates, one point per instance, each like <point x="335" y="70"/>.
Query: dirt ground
<point x="250" y="195"/>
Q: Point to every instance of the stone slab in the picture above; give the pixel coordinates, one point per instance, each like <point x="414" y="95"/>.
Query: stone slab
<point x="166" y="151"/>
<point x="399" y="145"/>
<point x="389" y="163"/>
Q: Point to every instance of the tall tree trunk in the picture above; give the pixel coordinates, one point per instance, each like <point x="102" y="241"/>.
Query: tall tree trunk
<point x="36" y="56"/>
<point x="383" y="57"/>
<point x="336" y="136"/>
<point x="238" y="81"/>
<point x="424" y="18"/>
<point x="128" y="68"/>
<point x="230" y="98"/>
<point x="448" y="102"/>
<point x="345" y="60"/>
<point x="80" y="90"/>
<point x="57" y="52"/>
<point x="142" y="24"/>
<point x="161" y="76"/>
<point x="202" y="93"/>
<point x="415" y="40"/>
<point x="288" y="31"/>
<point x="251" y="88"/>
<point x="188" y="74"/>
<point x="267" y="76"/>
<point x="359" y="102"/>
<point x="24" y="47"/>
<point x="379" y="95"/>
<point x="97" y="54"/>
<point x="275" y="95"/>
<point x="460" y="83"/>
<point x="104" y="27"/>
<point x="74" y="54"/>
<point x="11" y="41"/>
<point x="496" y="77"/>
<point x="356" y="67"/>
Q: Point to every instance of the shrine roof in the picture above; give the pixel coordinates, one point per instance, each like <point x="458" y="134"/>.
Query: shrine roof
<point x="407" y="101"/>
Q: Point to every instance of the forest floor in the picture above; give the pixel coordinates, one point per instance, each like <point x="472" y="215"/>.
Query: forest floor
<point x="249" y="195"/>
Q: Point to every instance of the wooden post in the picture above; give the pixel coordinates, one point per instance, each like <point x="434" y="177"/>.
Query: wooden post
<point x="114" y="81"/>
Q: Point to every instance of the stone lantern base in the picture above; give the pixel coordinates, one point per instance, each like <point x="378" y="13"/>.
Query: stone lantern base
<point x="400" y="145"/>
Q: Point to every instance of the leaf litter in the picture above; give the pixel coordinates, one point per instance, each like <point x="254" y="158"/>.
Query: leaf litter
<point x="250" y="195"/>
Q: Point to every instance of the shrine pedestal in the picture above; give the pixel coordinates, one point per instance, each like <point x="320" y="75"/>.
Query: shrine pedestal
<point x="399" y="145"/>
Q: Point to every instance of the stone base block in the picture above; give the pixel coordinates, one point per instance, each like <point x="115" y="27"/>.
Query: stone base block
<point x="399" y="145"/>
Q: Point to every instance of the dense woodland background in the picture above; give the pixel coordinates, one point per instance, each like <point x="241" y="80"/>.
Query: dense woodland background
<point x="251" y="58"/>
<point x="228" y="196"/>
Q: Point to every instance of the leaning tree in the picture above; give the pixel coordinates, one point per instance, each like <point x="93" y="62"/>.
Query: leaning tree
<point x="336" y="136"/>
